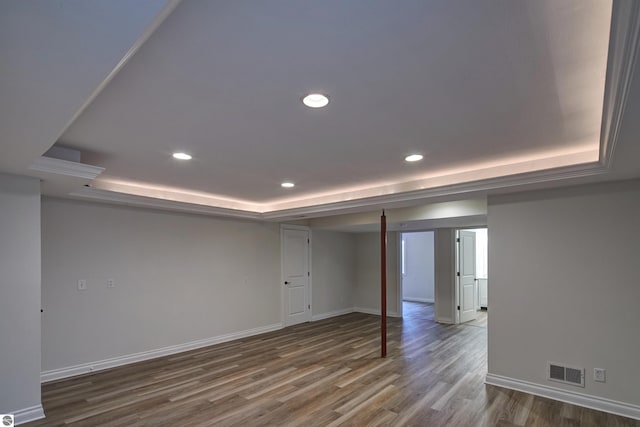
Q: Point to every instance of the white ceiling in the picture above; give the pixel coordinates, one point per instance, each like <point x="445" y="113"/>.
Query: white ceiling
<point x="484" y="89"/>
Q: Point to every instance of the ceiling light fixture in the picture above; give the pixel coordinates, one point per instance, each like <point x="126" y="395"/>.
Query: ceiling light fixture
<point x="288" y="185"/>
<point x="315" y="100"/>
<point x="413" y="158"/>
<point x="182" y="156"/>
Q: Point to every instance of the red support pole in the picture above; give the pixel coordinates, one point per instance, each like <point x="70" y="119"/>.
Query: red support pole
<point x="383" y="287"/>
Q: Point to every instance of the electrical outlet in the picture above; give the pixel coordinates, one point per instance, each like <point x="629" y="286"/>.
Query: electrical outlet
<point x="111" y="283"/>
<point x="82" y="285"/>
<point x="599" y="375"/>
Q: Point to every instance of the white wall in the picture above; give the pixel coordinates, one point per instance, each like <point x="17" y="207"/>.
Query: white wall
<point x="20" y="296"/>
<point x="334" y="272"/>
<point x="367" y="291"/>
<point x="418" y="277"/>
<point x="482" y="250"/>
<point x="179" y="278"/>
<point x="564" y="286"/>
<point x="445" y="259"/>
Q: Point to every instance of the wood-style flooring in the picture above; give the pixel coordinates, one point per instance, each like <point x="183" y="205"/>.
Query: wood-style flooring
<point x="325" y="373"/>
<point x="481" y="319"/>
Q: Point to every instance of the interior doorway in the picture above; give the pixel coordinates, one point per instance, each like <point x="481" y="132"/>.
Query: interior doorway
<point x="472" y="277"/>
<point x="417" y="266"/>
<point x="296" y="274"/>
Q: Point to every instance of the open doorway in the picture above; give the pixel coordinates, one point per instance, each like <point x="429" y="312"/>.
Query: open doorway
<point x="417" y="269"/>
<point x="472" y="277"/>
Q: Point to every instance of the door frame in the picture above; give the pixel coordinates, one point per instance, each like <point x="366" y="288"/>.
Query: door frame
<point x="401" y="276"/>
<point x="456" y="278"/>
<point x="283" y="227"/>
<point x="399" y="311"/>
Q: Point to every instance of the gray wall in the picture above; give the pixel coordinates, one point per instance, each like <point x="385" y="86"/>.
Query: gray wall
<point x="334" y="271"/>
<point x="445" y="259"/>
<point x="179" y="278"/>
<point x="367" y="292"/>
<point x="564" y="286"/>
<point x="417" y="282"/>
<point x="19" y="293"/>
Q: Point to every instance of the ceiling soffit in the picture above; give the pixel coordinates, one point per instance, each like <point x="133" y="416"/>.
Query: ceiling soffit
<point x="546" y="166"/>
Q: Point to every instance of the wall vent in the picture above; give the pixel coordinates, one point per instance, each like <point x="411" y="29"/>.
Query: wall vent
<point x="565" y="374"/>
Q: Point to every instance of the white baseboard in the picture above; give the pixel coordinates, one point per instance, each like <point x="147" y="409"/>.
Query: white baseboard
<point x="375" y="311"/>
<point x="28" y="414"/>
<point x="100" y="365"/>
<point x="446" y="320"/>
<point x="335" y="313"/>
<point x="427" y="300"/>
<point x="588" y="401"/>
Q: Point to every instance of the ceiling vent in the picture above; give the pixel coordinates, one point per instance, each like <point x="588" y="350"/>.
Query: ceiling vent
<point x="565" y="374"/>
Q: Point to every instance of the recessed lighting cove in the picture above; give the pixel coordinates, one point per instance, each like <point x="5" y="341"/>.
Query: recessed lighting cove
<point x="315" y="100"/>
<point x="288" y="185"/>
<point x="182" y="156"/>
<point x="413" y="158"/>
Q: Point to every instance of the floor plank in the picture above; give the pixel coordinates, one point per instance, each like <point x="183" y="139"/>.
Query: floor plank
<point x="326" y="373"/>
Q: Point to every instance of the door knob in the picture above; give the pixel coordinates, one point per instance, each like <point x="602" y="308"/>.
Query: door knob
<point x="286" y="283"/>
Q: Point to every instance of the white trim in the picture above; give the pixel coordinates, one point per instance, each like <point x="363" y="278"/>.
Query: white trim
<point x="456" y="278"/>
<point x="65" y="167"/>
<point x="374" y="311"/>
<point x="575" y="398"/>
<point x="351" y="205"/>
<point x="517" y="180"/>
<point x="623" y="53"/>
<point x="28" y="414"/>
<point x="107" y="196"/>
<point x="295" y="227"/>
<point x="399" y="275"/>
<point x="427" y="300"/>
<point x="330" y="314"/>
<point x="71" y="371"/>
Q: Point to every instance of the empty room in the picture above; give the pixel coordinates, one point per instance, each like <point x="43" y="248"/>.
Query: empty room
<point x="319" y="213"/>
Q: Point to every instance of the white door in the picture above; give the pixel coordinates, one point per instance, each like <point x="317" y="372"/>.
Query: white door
<point x="295" y="275"/>
<point x="467" y="273"/>
<point x="482" y="288"/>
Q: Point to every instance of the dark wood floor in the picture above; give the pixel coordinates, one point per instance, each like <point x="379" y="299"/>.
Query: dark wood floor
<point x="326" y="373"/>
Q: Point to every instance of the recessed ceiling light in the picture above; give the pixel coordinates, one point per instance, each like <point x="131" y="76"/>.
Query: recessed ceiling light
<point x="182" y="156"/>
<point x="413" y="157"/>
<point x="315" y="100"/>
<point x="288" y="184"/>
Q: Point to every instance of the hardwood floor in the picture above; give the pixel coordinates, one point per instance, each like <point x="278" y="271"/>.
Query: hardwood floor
<point x="481" y="320"/>
<point x="326" y="373"/>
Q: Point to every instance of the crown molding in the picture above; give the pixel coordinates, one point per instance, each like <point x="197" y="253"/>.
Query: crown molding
<point x="162" y="204"/>
<point x="623" y="52"/>
<point x="530" y="178"/>
<point x="564" y="173"/>
<point x="65" y="167"/>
